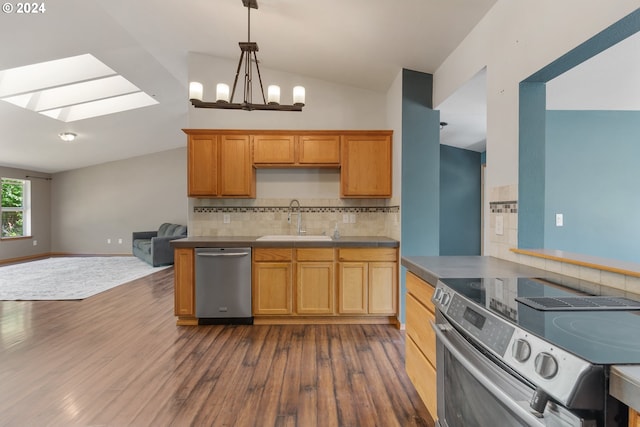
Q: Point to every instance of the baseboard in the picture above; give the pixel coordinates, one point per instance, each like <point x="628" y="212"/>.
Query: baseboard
<point x="52" y="255"/>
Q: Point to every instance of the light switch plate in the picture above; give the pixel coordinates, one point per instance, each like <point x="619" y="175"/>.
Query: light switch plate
<point x="559" y="220"/>
<point x="226" y="218"/>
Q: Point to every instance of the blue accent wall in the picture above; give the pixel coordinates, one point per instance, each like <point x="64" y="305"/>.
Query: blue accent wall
<point x="460" y="201"/>
<point x="592" y="178"/>
<point x="420" y="205"/>
<point x="531" y="170"/>
<point x="535" y="220"/>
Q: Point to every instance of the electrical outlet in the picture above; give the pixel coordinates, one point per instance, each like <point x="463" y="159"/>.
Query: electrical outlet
<point x="119" y="241"/>
<point x="499" y="225"/>
<point x="108" y="241"/>
<point x="345" y="218"/>
<point x="352" y="218"/>
<point x="35" y="242"/>
<point x="226" y="218"/>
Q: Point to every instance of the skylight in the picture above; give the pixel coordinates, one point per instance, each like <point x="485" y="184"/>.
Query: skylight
<point x="70" y="89"/>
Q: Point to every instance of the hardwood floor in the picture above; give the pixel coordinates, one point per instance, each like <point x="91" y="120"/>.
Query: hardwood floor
<point x="118" y="359"/>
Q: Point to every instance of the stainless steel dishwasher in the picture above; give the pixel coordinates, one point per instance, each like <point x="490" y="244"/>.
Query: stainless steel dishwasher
<point x="223" y="285"/>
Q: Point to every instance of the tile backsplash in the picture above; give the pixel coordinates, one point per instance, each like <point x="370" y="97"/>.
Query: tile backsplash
<point x="503" y="221"/>
<point x="257" y="217"/>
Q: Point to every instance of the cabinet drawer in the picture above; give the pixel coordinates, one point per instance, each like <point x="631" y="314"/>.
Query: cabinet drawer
<point x="367" y="254"/>
<point x="272" y="254"/>
<point x="423" y="376"/>
<point x="315" y="254"/>
<point x="421" y="290"/>
<point x="419" y="328"/>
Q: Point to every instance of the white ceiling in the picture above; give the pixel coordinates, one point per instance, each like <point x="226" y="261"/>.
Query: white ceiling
<point x="362" y="43"/>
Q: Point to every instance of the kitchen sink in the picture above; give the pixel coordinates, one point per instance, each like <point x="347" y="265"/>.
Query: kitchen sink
<point x="294" y="238"/>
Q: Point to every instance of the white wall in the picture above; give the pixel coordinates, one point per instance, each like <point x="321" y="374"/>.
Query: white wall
<point x="112" y="200"/>
<point x="328" y="105"/>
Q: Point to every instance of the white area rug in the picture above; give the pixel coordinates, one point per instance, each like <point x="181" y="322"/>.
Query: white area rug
<point x="69" y="278"/>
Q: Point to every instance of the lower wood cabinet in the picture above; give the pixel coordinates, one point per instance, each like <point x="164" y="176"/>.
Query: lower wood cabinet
<point x="307" y="285"/>
<point x="634" y="418"/>
<point x="272" y="284"/>
<point x="368" y="281"/>
<point x="420" y="362"/>
<point x="317" y="283"/>
<point x="184" y="287"/>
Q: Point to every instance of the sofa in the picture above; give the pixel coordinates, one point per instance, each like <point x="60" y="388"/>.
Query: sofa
<point x="153" y="246"/>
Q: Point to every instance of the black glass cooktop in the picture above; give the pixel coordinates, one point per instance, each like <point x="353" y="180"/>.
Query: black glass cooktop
<point x="605" y="337"/>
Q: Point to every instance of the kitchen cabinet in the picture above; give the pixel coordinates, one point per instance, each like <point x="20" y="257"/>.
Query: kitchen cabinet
<point x="272" y="281"/>
<point x="420" y="356"/>
<point x="366" y="165"/>
<point x="184" y="287"/>
<point x="367" y="281"/>
<point x="315" y="281"/>
<point x="219" y="165"/>
<point x="292" y="150"/>
<point x="365" y="291"/>
<point x="634" y="418"/>
<point x="273" y="149"/>
<point x="319" y="150"/>
<point x="221" y="162"/>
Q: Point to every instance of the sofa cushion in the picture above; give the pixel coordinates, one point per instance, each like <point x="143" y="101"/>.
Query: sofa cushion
<point x="168" y="229"/>
<point x="143" y="244"/>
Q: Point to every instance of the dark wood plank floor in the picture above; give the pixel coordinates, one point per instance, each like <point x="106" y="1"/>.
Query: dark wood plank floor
<point x="118" y="359"/>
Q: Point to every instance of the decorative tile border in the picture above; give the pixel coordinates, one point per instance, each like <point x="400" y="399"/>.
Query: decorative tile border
<point x="504" y="207"/>
<point x="304" y="209"/>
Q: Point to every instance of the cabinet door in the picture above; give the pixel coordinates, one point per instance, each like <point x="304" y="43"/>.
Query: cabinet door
<point x="237" y="175"/>
<point x="184" y="285"/>
<point x="634" y="418"/>
<point x="366" y="166"/>
<point x="352" y="287"/>
<point x="202" y="165"/>
<point x="319" y="150"/>
<point x="314" y="288"/>
<point x="273" y="149"/>
<point x="272" y="288"/>
<point x="383" y="286"/>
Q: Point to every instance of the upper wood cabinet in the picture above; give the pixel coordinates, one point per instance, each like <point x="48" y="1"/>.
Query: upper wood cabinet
<point x="292" y="150"/>
<point x="366" y="165"/>
<point x="273" y="149"/>
<point x="222" y="162"/>
<point x="219" y="165"/>
<point x="319" y="150"/>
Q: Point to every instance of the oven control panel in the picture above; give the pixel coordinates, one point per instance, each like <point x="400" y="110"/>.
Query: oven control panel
<point x="543" y="364"/>
<point x="489" y="331"/>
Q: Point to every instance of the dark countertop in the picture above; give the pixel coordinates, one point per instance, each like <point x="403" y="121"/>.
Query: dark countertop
<point x="242" y="241"/>
<point x="432" y="268"/>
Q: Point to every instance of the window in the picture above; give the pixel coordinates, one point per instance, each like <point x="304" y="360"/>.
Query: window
<point x="15" y="208"/>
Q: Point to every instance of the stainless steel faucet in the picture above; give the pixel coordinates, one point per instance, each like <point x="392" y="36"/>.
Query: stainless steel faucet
<point x="298" y="213"/>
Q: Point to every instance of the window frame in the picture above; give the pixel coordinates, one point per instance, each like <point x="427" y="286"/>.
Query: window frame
<point x="25" y="208"/>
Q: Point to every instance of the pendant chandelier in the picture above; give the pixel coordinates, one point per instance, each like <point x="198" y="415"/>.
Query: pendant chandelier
<point x="248" y="56"/>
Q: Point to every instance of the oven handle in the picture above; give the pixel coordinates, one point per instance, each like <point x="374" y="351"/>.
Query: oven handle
<point x="440" y="331"/>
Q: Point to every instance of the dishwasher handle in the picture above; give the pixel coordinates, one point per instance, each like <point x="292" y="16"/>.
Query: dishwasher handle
<point x="217" y="254"/>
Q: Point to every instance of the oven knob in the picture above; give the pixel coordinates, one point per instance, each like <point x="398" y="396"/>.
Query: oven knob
<point x="521" y="350"/>
<point x="438" y="294"/>
<point x="546" y="365"/>
<point x="445" y="299"/>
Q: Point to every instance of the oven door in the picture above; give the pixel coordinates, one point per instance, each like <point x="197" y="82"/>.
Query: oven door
<point x="473" y="390"/>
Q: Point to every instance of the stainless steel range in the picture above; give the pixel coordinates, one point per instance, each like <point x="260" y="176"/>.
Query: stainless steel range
<point x="524" y="351"/>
